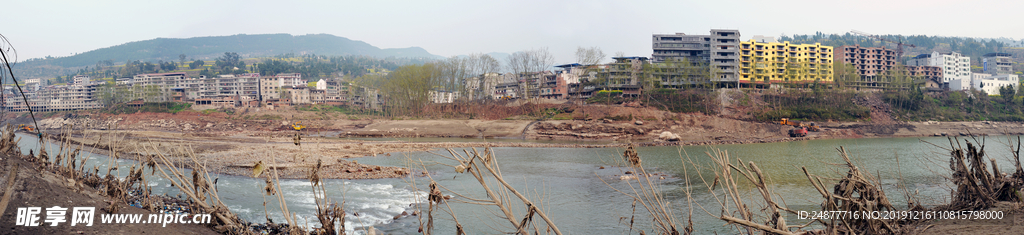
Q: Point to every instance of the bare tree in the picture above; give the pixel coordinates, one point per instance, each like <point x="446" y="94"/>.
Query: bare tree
<point x="451" y="74"/>
<point x="589" y="56"/>
<point x="484" y="68"/>
<point x="526" y="63"/>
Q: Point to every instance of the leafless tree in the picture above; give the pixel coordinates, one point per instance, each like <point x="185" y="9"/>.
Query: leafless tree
<point x="589" y="56"/>
<point x="484" y="68"/>
<point x="527" y="63"/>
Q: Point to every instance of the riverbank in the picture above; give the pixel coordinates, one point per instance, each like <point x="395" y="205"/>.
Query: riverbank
<point x="34" y="187"/>
<point x="233" y="142"/>
<point x="236" y="152"/>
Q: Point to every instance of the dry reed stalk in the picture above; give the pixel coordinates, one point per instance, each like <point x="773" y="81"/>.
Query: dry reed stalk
<point x="196" y="191"/>
<point x="484" y="166"/>
<point x="649" y="195"/>
<point x="12" y="175"/>
<point x="329" y="213"/>
<point x="976" y="187"/>
<point x="856" y="192"/>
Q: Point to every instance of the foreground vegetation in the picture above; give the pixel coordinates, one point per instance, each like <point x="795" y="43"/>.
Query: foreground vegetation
<point x="954" y="106"/>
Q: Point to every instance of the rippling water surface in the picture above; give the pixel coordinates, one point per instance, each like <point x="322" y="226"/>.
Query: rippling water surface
<point x="579" y="196"/>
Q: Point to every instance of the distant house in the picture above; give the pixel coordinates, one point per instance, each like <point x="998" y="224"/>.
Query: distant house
<point x="508" y="90"/>
<point x="443" y="97"/>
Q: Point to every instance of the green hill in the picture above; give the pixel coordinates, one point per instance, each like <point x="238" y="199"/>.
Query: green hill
<point x="168" y="49"/>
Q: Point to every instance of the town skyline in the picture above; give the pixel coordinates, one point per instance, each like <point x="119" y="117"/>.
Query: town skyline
<point x="460" y="28"/>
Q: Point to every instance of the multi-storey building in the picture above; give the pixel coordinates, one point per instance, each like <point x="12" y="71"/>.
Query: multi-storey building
<point x="725" y="55"/>
<point x="931" y="74"/>
<point x="290" y="79"/>
<point x="81" y="79"/>
<point x="955" y="66"/>
<point x="36" y="83"/>
<point x="624" y="71"/>
<point x="775" y="62"/>
<point x="6" y="92"/>
<point x="482" y="86"/>
<point x="868" y="61"/>
<point x="248" y="86"/>
<point x="718" y="51"/>
<point x="997" y="63"/>
<point x="156" y="87"/>
<point x="506" y="90"/>
<point x="328" y="91"/>
<point x="298" y="95"/>
<point x="873" y="65"/>
<point x="56" y="98"/>
<point x="269" y="88"/>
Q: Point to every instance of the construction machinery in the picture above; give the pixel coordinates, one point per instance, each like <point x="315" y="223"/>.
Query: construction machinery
<point x="899" y="44"/>
<point x="787" y="122"/>
<point x="26" y="128"/>
<point x="810" y="126"/>
<point x="298" y="126"/>
<point x="813" y="127"/>
<point x="798" y="132"/>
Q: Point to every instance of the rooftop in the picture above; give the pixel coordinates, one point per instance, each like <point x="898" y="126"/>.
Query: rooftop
<point x="630" y="58"/>
<point x="997" y="54"/>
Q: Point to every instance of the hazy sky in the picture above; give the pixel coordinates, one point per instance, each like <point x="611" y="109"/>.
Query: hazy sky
<point x="39" y="28"/>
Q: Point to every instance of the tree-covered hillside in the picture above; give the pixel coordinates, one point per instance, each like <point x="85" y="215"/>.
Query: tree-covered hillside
<point x="171" y="49"/>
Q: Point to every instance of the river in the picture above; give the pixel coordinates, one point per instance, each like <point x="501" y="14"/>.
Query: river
<point x="567" y="183"/>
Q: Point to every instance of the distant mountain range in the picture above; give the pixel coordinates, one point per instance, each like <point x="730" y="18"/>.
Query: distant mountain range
<point x="246" y="45"/>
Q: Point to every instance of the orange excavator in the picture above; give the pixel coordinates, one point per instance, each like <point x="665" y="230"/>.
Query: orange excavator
<point x="26" y="128"/>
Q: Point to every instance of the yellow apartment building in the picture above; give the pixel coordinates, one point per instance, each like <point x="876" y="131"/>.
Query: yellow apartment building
<point x="765" y="63"/>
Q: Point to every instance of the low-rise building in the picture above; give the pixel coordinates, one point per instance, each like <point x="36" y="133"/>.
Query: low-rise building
<point x="443" y="97"/>
<point x="990" y="84"/>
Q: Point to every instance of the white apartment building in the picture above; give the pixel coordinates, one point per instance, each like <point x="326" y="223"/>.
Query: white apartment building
<point x="162" y="82"/>
<point x="36" y="84"/>
<point x="55" y="98"/>
<point x="954" y="65"/>
<point x="290" y="79"/>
